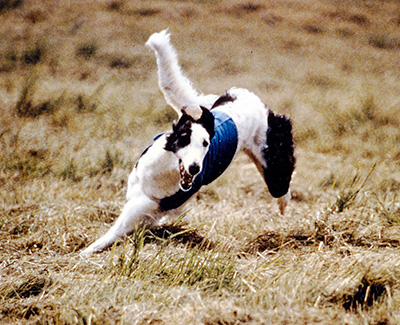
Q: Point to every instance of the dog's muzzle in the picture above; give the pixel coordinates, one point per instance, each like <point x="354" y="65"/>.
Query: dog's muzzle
<point x="186" y="178"/>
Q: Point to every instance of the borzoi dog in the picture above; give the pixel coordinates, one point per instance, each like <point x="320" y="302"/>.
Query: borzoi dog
<point x="209" y="133"/>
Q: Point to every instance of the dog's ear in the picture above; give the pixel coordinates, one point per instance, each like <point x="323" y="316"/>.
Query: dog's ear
<point x="200" y="115"/>
<point x="180" y="135"/>
<point x="194" y="111"/>
<point x="279" y="155"/>
<point x="207" y="121"/>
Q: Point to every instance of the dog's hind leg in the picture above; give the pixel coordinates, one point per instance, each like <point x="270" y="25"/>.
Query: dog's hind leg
<point x="135" y="211"/>
<point x="283" y="201"/>
<point x="279" y="155"/>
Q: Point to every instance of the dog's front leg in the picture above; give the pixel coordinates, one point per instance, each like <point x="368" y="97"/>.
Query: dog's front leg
<point x="134" y="212"/>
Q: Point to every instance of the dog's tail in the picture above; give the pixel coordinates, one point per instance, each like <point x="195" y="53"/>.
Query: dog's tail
<point x="177" y="89"/>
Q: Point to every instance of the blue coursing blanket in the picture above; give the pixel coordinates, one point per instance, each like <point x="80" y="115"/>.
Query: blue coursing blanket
<point x="220" y="154"/>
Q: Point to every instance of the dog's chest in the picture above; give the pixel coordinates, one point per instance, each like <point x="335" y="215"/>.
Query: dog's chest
<point x="159" y="185"/>
<point x="158" y="172"/>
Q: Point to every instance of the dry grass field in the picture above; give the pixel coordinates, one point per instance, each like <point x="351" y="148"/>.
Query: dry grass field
<point x="79" y="101"/>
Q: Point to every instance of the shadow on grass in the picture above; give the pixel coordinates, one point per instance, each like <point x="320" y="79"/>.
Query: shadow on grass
<point x="179" y="234"/>
<point x="334" y="235"/>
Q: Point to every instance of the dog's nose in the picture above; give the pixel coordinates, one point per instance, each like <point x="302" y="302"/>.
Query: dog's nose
<point x="194" y="169"/>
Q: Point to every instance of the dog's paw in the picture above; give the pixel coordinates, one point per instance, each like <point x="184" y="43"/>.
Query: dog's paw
<point x="86" y="252"/>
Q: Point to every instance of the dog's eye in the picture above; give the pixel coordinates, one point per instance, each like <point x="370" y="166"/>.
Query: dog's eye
<point x="205" y="143"/>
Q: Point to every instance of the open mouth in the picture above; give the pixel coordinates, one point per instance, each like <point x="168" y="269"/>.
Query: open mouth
<point x="186" y="179"/>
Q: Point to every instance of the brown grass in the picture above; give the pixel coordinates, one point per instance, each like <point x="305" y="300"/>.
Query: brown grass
<point x="80" y="101"/>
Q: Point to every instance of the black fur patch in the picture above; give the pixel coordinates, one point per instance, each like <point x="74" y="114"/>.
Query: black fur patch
<point x="207" y="121"/>
<point x="222" y="100"/>
<point x="182" y="130"/>
<point x="279" y="154"/>
<point x="180" y="136"/>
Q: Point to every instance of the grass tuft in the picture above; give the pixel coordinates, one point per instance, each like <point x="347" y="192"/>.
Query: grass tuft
<point x="87" y="50"/>
<point x="109" y="162"/>
<point x="365" y="295"/>
<point x="84" y="104"/>
<point x="27" y="106"/>
<point x="313" y="29"/>
<point x="206" y="269"/>
<point x="348" y="196"/>
<point x="30" y="287"/>
<point x="70" y="172"/>
<point x="10" y="4"/>
<point x="145" y="12"/>
<point x="388" y="207"/>
<point x="384" y="42"/>
<point x="128" y="262"/>
<point x="33" y="56"/>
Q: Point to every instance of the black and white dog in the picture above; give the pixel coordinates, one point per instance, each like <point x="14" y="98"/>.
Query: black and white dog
<point x="210" y="131"/>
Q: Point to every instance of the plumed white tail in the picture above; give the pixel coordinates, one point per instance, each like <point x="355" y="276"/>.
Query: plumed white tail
<point x="177" y="89"/>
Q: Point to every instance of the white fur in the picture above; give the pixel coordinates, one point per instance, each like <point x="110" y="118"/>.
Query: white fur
<point x="177" y="89"/>
<point x="156" y="175"/>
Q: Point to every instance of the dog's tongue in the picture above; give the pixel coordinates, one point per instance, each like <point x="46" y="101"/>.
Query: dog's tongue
<point x="186" y="179"/>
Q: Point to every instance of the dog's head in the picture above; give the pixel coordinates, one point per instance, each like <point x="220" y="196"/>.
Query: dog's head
<point x="189" y="141"/>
